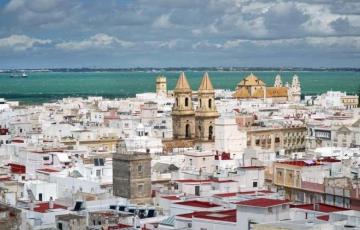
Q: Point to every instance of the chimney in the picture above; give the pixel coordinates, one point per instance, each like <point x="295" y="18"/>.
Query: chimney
<point x="51" y="203"/>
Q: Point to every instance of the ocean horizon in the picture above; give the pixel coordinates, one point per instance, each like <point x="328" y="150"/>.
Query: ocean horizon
<point x="42" y="87"/>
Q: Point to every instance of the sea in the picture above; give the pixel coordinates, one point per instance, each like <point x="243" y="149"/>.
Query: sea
<point x="42" y="87"/>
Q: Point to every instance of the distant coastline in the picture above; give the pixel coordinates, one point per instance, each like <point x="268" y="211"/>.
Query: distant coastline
<point x="170" y="69"/>
<point x="48" y="85"/>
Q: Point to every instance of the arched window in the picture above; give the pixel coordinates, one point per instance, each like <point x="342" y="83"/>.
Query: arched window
<point x="200" y="103"/>
<point x="177" y="102"/>
<point x="186" y="101"/>
<point x="210" y="103"/>
<point x="210" y="132"/>
<point x="187" y="131"/>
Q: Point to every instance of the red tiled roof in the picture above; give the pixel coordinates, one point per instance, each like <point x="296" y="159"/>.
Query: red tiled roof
<point x="170" y="197"/>
<point x="252" y="167"/>
<point x="262" y="202"/>
<point x="186" y="215"/>
<point x="44" y="207"/>
<point x="198" y="203"/>
<point x="300" y="163"/>
<point x="5" y="178"/>
<point x="303" y="163"/>
<point x="118" y="226"/>
<point x="225" y="215"/>
<point x="48" y="170"/>
<point x="321" y="207"/>
<point x="324" y="218"/>
<point x="17" y="168"/>
<point x="204" y="181"/>
<point x="230" y="194"/>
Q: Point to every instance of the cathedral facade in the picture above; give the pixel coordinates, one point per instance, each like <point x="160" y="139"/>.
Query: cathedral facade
<point x="251" y="87"/>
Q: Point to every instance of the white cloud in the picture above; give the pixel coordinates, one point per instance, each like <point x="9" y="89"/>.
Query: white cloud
<point x="169" y="44"/>
<point x="14" y="5"/>
<point x="206" y="45"/>
<point x="318" y="42"/>
<point x="21" y="42"/>
<point x="97" y="41"/>
<point x="334" y="42"/>
<point x="163" y="22"/>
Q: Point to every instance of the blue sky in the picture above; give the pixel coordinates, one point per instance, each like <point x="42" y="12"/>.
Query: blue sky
<point x="162" y="33"/>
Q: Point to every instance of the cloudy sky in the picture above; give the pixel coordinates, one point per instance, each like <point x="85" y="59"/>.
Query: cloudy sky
<point x="161" y="33"/>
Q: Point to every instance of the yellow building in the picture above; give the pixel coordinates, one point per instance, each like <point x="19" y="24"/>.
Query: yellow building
<point x="251" y="87"/>
<point x="350" y="101"/>
<point x="105" y="143"/>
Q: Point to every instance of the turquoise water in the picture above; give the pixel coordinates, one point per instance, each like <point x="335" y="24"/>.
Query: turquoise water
<point x="42" y="87"/>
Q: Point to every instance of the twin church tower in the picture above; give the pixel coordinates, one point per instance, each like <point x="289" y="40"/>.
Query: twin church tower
<point x="190" y="123"/>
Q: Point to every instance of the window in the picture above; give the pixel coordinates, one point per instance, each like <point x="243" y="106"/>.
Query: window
<point x="210" y="132"/>
<point x="255" y="184"/>
<point x="46" y="158"/>
<point x="98" y="173"/>
<point x="60" y="226"/>
<point x="187" y="131"/>
<point x="140" y="169"/>
<point x="99" y="162"/>
<point x="140" y="188"/>
<point x="177" y="102"/>
<point x="210" y="103"/>
<point x="270" y="210"/>
<point x="186" y="101"/>
<point x="200" y="103"/>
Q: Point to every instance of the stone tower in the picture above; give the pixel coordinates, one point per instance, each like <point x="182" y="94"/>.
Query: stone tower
<point x="295" y="89"/>
<point x="161" y="88"/>
<point x="183" y="114"/>
<point x="278" y="81"/>
<point x="206" y="112"/>
<point x="132" y="175"/>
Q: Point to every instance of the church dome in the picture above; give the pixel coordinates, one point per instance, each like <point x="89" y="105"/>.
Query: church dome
<point x="251" y="80"/>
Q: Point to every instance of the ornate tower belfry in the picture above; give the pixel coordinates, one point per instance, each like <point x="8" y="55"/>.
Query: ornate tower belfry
<point x="183" y="114"/>
<point x="278" y="81"/>
<point x="206" y="112"/>
<point x="161" y="85"/>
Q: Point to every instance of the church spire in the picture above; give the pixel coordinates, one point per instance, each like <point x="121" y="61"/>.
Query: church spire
<point x="206" y="84"/>
<point x="182" y="84"/>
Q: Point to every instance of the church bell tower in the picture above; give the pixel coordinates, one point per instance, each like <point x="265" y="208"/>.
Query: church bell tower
<point x="206" y="112"/>
<point x="183" y="114"/>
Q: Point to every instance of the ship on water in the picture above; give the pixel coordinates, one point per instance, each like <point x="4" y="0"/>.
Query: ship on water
<point x="17" y="75"/>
